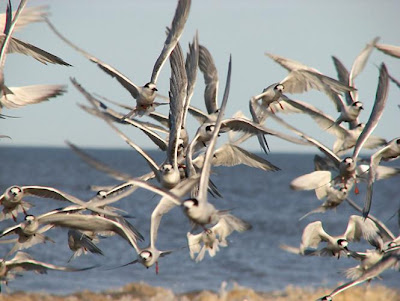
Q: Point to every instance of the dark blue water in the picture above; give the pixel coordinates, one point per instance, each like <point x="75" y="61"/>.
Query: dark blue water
<point x="252" y="259"/>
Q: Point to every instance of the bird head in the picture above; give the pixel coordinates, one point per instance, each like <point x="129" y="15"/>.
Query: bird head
<point x="151" y="86"/>
<point x="343" y="243"/>
<point x="358" y="105"/>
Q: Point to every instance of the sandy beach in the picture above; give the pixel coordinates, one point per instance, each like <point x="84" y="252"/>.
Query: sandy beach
<point x="145" y="292"/>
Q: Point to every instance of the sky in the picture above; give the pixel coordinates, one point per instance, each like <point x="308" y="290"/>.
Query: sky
<point x="129" y="35"/>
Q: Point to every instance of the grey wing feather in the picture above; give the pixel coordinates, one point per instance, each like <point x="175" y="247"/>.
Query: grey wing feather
<point x="122" y="79"/>
<point x="177" y="95"/>
<point x="199" y="115"/>
<point x="97" y="164"/>
<point x="231" y="155"/>
<point x="377" y="110"/>
<point x="343" y="76"/>
<point x="165" y="205"/>
<point x="205" y="172"/>
<point x="177" y="26"/>
<point x="15" y="97"/>
<point x="91" y="223"/>
<point x="313" y="234"/>
<point x="207" y="66"/>
<point x="361" y="60"/>
<point x="191" y="64"/>
<point x="18" y="46"/>
<point x="389" y="49"/>
<point x="28" y="15"/>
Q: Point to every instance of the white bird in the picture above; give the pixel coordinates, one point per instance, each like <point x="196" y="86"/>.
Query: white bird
<point x="357" y="228"/>
<point x="334" y="197"/>
<point x="146" y="94"/>
<point x="389" y="260"/>
<point x="211" y="239"/>
<point x="367" y="259"/>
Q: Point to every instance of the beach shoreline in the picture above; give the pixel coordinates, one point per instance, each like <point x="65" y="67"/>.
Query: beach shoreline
<point x="143" y="291"/>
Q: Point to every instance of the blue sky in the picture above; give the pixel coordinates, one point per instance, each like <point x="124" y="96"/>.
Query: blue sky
<point x="129" y="34"/>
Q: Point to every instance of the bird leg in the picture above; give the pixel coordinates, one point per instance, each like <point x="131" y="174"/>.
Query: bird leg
<point x="157" y="269"/>
<point x="280" y="104"/>
<point x="356" y="190"/>
<point x="271" y="109"/>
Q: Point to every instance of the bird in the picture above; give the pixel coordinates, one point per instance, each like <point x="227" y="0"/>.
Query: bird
<point x="347" y="166"/>
<point x="211" y="239"/>
<point x="388" y="260"/>
<point x="357" y="228"/>
<point x="81" y="243"/>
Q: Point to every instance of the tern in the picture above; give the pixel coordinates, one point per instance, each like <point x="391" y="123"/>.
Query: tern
<point x="81" y="243"/>
<point x="211" y="239"/>
<point x="357" y="227"/>
<point x="388" y="260"/>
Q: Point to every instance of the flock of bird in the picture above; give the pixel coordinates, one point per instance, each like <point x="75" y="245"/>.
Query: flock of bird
<point x="183" y="179"/>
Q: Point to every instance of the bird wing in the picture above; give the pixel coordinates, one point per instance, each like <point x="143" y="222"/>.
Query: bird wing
<point x="210" y="73"/>
<point x="177" y="96"/>
<point x="311" y="181"/>
<point x="27" y="16"/>
<point x="377" y="110"/>
<point x="191" y="66"/>
<point x="18" y="46"/>
<point x="389" y="49"/>
<point x="343" y="76"/>
<point x="358" y="228"/>
<point x="313" y="234"/>
<point x="174" y="34"/>
<point x="116" y="174"/>
<point x="205" y="172"/>
<point x="122" y="79"/>
<point x="17" y="97"/>
<point x="165" y="205"/>
<point x="91" y="223"/>
<point x="361" y="60"/>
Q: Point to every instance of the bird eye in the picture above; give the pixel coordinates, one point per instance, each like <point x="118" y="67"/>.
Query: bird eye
<point x="209" y="128"/>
